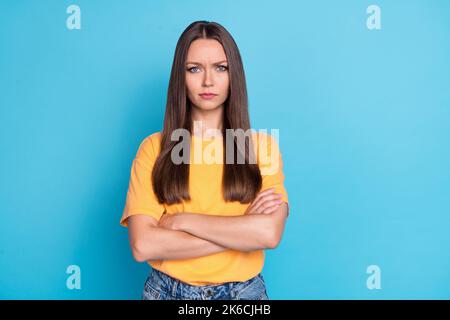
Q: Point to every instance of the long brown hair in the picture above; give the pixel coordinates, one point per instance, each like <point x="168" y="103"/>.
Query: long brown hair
<point x="240" y="182"/>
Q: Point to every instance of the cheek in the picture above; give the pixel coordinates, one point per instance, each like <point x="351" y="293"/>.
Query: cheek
<point x="224" y="84"/>
<point x="192" y="83"/>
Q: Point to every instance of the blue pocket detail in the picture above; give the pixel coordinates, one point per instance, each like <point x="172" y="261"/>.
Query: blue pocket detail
<point x="253" y="289"/>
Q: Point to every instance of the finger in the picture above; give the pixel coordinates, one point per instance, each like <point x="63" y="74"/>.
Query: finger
<point x="258" y="196"/>
<point x="264" y="206"/>
<point x="268" y="204"/>
<point x="271" y="208"/>
<point x="263" y="193"/>
<point x="263" y="199"/>
<point x="267" y="191"/>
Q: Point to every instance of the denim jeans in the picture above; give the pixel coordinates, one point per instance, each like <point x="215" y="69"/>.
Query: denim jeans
<point x="160" y="286"/>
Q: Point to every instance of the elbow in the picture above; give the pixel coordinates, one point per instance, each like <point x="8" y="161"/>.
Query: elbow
<point x="136" y="250"/>
<point x="275" y="228"/>
<point x="140" y="251"/>
<point x="273" y="240"/>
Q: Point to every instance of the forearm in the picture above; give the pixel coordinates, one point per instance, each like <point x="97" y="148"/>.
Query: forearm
<point x="163" y="244"/>
<point x="244" y="233"/>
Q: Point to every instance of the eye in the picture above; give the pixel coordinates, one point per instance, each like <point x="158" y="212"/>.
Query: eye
<point x="224" y="68"/>
<point x="190" y="69"/>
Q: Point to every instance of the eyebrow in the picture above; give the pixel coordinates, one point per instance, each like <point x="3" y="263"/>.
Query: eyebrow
<point x="192" y="62"/>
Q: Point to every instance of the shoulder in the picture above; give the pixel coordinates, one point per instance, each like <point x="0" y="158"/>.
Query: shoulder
<point x="266" y="141"/>
<point x="154" y="138"/>
<point x="149" y="146"/>
<point x="267" y="152"/>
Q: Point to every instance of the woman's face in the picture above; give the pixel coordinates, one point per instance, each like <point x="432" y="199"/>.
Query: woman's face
<point x="207" y="72"/>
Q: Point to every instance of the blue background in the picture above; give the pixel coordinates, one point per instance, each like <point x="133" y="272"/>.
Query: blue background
<point x="364" y="119"/>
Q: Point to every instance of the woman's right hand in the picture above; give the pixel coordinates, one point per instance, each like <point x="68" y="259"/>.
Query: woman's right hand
<point x="265" y="202"/>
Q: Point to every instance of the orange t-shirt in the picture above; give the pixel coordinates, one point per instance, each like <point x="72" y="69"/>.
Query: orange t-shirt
<point x="205" y="189"/>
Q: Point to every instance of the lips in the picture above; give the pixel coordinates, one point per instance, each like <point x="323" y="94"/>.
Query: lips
<point x="207" y="95"/>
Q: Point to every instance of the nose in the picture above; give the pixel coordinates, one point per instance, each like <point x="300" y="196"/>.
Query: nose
<point x="208" y="79"/>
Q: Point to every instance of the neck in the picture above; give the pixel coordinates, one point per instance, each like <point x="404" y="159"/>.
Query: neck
<point x="207" y="120"/>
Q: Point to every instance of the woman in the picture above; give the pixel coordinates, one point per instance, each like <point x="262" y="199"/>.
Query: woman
<point x="203" y="225"/>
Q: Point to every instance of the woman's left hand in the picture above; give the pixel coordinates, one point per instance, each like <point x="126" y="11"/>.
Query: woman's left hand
<point x="171" y="221"/>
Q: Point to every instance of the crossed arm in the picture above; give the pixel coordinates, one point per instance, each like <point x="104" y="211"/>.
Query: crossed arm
<point x="188" y="235"/>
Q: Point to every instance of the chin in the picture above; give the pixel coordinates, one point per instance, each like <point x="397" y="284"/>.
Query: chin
<point x="208" y="106"/>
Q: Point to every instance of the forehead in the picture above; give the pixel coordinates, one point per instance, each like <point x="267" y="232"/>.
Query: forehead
<point x="206" y="51"/>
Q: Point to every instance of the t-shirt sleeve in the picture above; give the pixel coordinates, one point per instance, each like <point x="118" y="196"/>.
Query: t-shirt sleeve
<point x="141" y="198"/>
<point x="271" y="165"/>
